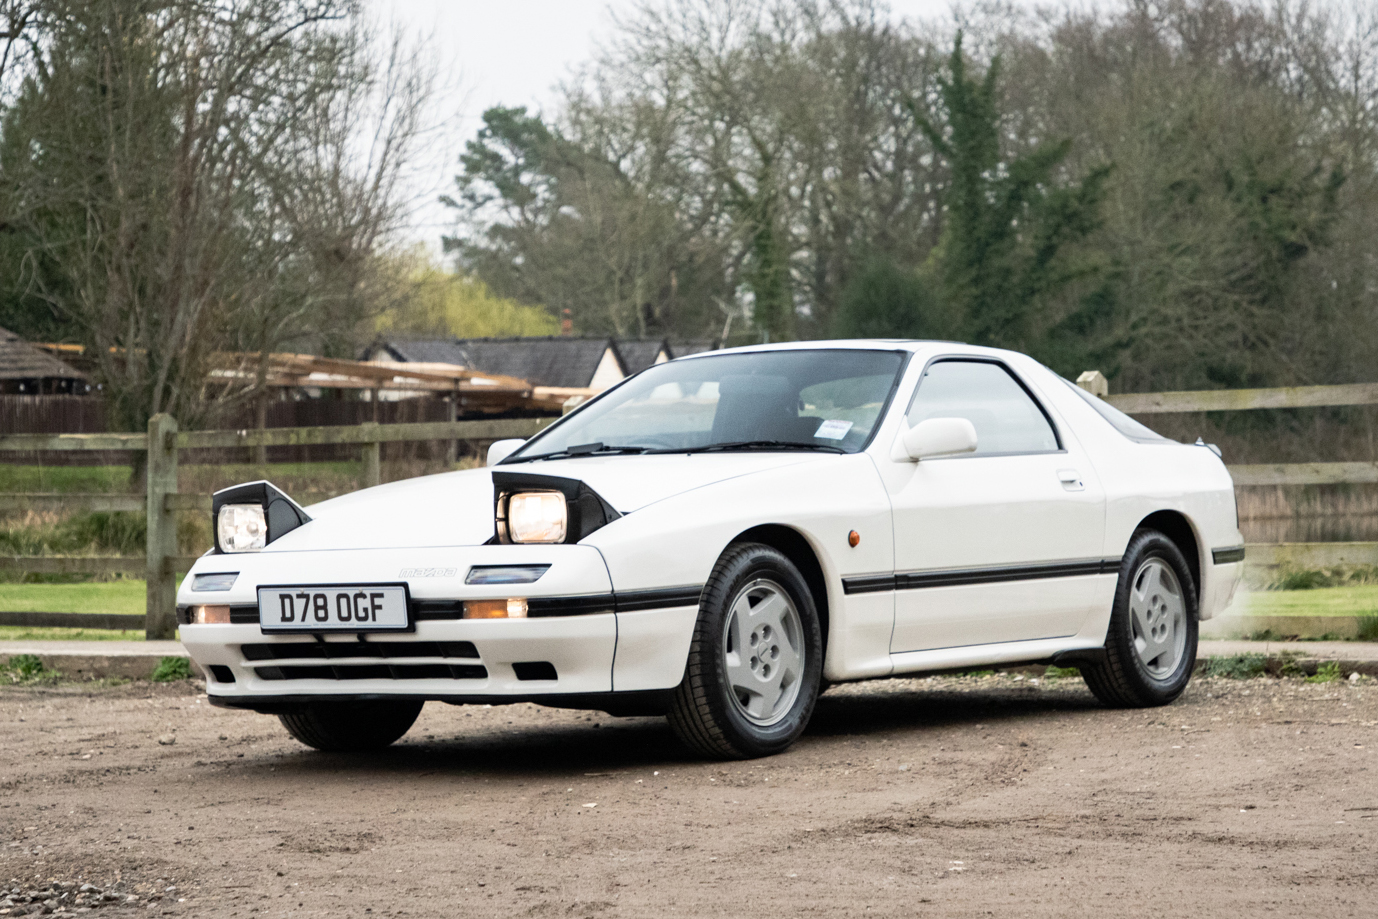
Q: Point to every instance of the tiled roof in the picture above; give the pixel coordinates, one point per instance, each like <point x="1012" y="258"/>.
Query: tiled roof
<point x="20" y="360"/>
<point x="638" y="354"/>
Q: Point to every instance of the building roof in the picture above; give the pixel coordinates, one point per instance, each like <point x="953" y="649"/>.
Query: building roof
<point x="638" y="354"/>
<point x="549" y="361"/>
<point x="20" y="360"/>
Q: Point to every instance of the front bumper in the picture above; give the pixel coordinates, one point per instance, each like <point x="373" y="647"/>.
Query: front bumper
<point x="582" y="641"/>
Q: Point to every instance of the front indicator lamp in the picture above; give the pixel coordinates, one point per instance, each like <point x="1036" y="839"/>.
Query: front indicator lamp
<point x="514" y="608"/>
<point x="242" y="528"/>
<point x="537" y="517"/>
<point x="210" y="615"/>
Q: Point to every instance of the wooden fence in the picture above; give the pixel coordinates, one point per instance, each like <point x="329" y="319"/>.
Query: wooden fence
<point x="164" y="441"/>
<point x="161" y="502"/>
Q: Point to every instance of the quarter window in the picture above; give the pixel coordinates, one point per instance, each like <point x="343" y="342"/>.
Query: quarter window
<point x="1006" y="418"/>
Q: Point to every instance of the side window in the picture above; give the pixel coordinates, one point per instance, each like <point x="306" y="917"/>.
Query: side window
<point x="1006" y="419"/>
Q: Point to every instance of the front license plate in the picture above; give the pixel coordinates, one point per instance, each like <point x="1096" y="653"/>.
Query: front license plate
<point x="334" y="608"/>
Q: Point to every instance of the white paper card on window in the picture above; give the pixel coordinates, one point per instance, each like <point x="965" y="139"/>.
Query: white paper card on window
<point x="832" y="430"/>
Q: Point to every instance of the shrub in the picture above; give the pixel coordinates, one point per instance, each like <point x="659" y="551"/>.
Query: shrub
<point x="1237" y="667"/>
<point x="1328" y="672"/>
<point x="1368" y="628"/>
<point x="170" y="669"/>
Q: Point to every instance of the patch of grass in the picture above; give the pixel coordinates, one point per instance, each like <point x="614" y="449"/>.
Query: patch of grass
<point x="1061" y="673"/>
<point x="1316" y="578"/>
<point x="104" y="480"/>
<point x="1237" y="667"/>
<point x="126" y="595"/>
<point x="1328" y="672"/>
<point x="1351" y="600"/>
<point x="170" y="669"/>
<point x="28" y="668"/>
<point x="1368" y="628"/>
<point x="18" y="633"/>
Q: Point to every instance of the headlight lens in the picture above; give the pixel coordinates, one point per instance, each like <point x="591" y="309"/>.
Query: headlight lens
<point x="242" y="528"/>
<point x="537" y="516"/>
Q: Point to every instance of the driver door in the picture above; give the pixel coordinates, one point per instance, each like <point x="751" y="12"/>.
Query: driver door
<point x="997" y="545"/>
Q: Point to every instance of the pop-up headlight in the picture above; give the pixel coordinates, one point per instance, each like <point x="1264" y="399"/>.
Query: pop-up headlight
<point x="545" y="509"/>
<point x="248" y="517"/>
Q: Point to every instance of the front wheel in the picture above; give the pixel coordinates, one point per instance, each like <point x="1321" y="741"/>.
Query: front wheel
<point x="756" y="661"/>
<point x="1150" y="647"/>
<point x="354" y="727"/>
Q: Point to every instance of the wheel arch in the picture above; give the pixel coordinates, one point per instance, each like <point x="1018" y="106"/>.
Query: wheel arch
<point x="794" y="546"/>
<point x="1176" y="527"/>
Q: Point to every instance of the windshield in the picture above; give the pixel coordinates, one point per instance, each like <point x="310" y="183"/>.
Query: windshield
<point x="819" y="399"/>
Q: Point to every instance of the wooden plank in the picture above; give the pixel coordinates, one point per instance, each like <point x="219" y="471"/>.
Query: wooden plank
<point x="59" y="501"/>
<point x="108" y="621"/>
<point x="83" y="564"/>
<point x="1304" y="473"/>
<point x="160" y="579"/>
<point x="1311" y="554"/>
<point x="30" y="442"/>
<point x="498" y="429"/>
<point x="1233" y="400"/>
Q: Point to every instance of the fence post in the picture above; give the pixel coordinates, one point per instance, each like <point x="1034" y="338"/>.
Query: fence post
<point x="160" y="615"/>
<point x="1094" y="382"/>
<point x="373" y="455"/>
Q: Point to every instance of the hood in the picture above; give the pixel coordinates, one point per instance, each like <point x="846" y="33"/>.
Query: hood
<point x="456" y="508"/>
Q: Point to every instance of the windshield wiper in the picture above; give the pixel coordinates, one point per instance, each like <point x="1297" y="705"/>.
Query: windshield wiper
<point x="593" y="449"/>
<point x="756" y="445"/>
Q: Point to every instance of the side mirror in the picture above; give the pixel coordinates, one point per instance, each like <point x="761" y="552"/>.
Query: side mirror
<point x="500" y="450"/>
<point x="940" y="437"/>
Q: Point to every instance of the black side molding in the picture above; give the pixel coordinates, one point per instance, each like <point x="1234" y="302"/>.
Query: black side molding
<point x="916" y="580"/>
<point x="1227" y="555"/>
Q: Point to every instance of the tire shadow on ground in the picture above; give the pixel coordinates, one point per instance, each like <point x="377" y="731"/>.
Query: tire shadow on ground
<point x="564" y="750"/>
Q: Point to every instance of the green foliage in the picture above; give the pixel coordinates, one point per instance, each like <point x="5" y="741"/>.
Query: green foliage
<point x="1237" y="667"/>
<point x="1329" y="672"/>
<point x="1368" y="628"/>
<point x="885" y="301"/>
<point x="1061" y="673"/>
<point x="25" y="666"/>
<point x="444" y="304"/>
<point x="1316" y="578"/>
<point x="1009" y="218"/>
<point x="170" y="669"/>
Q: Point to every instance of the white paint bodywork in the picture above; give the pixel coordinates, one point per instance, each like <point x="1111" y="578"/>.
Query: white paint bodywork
<point x="681" y="512"/>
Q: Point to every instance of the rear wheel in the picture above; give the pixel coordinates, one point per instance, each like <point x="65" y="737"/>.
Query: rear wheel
<point x="1150" y="647"/>
<point x="354" y="727"/>
<point x="756" y="660"/>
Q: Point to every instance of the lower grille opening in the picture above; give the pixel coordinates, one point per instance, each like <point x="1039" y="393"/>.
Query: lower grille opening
<point x="339" y="650"/>
<point x="221" y="674"/>
<point x="535" y="670"/>
<point x="374" y="672"/>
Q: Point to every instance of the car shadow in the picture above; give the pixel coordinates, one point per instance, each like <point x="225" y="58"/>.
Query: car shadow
<point x="563" y="751"/>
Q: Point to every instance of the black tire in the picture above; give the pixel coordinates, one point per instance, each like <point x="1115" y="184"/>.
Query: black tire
<point x="706" y="712"/>
<point x="352" y="727"/>
<point x="1122" y="679"/>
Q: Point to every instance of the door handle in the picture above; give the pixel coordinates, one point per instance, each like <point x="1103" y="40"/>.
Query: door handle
<point x="1071" y="480"/>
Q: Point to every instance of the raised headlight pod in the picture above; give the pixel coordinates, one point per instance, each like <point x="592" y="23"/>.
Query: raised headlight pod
<point x="545" y="509"/>
<point x="248" y="517"/>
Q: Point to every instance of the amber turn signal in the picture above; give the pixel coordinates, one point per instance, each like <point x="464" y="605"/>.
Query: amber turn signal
<point x="495" y="609"/>
<point x="853" y="538"/>
<point x="210" y="615"/>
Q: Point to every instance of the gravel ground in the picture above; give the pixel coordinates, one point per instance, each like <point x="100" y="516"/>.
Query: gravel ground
<point x="970" y="796"/>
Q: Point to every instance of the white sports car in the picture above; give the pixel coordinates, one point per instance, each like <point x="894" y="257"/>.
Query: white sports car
<point x="717" y="538"/>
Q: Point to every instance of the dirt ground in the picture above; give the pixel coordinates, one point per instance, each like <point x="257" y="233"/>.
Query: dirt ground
<point x="944" y="797"/>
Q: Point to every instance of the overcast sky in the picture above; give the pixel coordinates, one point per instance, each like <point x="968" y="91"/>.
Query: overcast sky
<point x="514" y="52"/>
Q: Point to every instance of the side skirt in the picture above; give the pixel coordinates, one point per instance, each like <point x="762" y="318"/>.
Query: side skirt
<point x="617" y="704"/>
